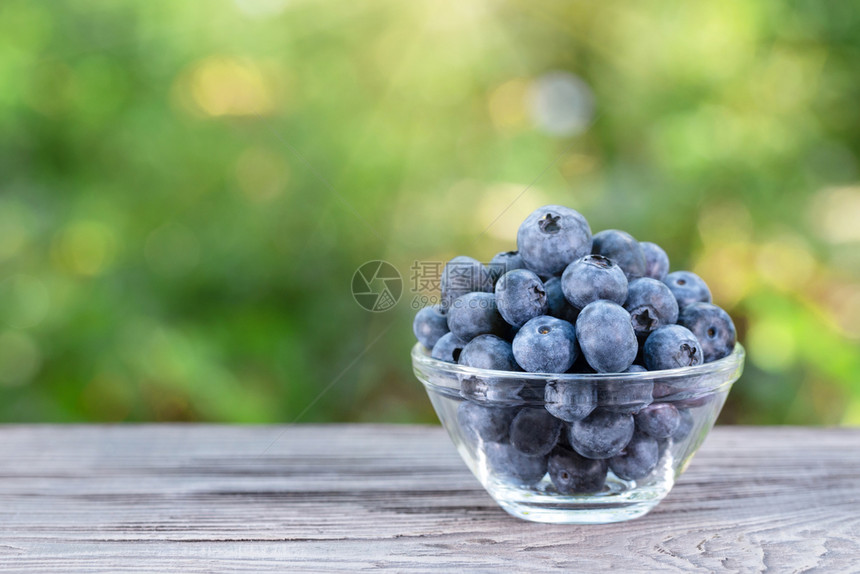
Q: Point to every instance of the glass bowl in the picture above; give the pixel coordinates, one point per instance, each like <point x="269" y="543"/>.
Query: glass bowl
<point x="487" y="413"/>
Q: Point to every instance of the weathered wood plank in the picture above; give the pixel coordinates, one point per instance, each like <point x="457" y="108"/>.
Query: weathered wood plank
<point x="161" y="498"/>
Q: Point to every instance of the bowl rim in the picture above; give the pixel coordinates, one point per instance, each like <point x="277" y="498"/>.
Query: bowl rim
<point x="727" y="365"/>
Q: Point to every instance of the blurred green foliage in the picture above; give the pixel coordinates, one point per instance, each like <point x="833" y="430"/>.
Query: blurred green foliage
<point x="186" y="189"/>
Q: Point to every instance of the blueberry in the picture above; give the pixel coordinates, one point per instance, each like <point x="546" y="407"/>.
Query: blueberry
<point x="591" y="278"/>
<point x="656" y="260"/>
<point x="651" y="305"/>
<point x="506" y="462"/>
<point x="684" y="426"/>
<point x="463" y="275"/>
<point x="499" y="391"/>
<point x="484" y="423"/>
<point x="622" y="249"/>
<point x="664" y="389"/>
<point x="503" y="262"/>
<point x="574" y="474"/>
<point x="696" y="399"/>
<point x="448" y="348"/>
<point x="638" y="458"/>
<point x="557" y="303"/>
<point x="625" y="396"/>
<point x="659" y="420"/>
<point x="520" y="296"/>
<point x="570" y="400"/>
<point x="683" y="396"/>
<point x="606" y="337"/>
<point x="475" y="314"/>
<point x="489" y="352"/>
<point x="430" y="325"/>
<point x="712" y="327"/>
<point x="602" y="434"/>
<point x="671" y="347"/>
<point x="534" y="431"/>
<point x="551" y="237"/>
<point x="545" y="345"/>
<point x="687" y="287"/>
<point x="532" y="392"/>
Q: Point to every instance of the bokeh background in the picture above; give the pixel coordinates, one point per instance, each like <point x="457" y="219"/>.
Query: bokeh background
<point x="186" y="189"/>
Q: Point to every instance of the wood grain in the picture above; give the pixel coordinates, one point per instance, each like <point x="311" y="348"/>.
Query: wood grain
<point x="196" y="498"/>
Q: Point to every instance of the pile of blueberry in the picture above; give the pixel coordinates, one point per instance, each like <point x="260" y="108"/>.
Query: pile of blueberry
<point x="568" y="301"/>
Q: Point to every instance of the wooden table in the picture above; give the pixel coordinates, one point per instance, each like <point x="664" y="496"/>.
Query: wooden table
<point x="199" y="498"/>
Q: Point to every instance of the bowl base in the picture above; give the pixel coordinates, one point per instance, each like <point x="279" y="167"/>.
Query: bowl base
<point x="619" y="501"/>
<point x="581" y="514"/>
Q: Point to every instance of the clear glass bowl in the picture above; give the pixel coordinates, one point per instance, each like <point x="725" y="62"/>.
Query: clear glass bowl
<point x="698" y="393"/>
